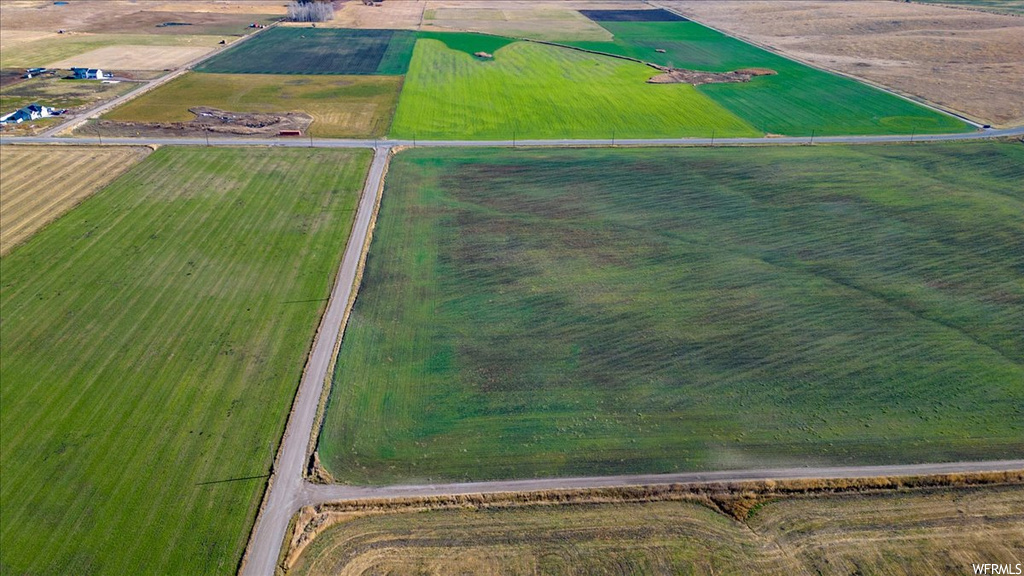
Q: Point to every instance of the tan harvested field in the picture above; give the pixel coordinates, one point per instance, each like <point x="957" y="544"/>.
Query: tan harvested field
<point x="267" y="7"/>
<point x="404" y="15"/>
<point x="68" y="47"/>
<point x="50" y="180"/>
<point x="536" y="18"/>
<point x="967" y="61"/>
<point x="130" y="57"/>
<point x="99" y="15"/>
<point x="11" y="38"/>
<point x="930" y="531"/>
<point x="547" y="23"/>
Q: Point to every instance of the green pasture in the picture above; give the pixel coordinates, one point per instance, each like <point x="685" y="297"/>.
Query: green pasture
<point x="152" y="341"/>
<point x="468" y="42"/>
<point x="529" y="313"/>
<point x="341" y="106"/>
<point x="535" y="91"/>
<point x="797" y="101"/>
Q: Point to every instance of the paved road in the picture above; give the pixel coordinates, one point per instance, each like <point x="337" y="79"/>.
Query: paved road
<point x="287" y="486"/>
<point x="368" y="143"/>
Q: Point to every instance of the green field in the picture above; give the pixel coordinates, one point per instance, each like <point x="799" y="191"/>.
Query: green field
<point x="795" y="102"/>
<point x="928" y="532"/>
<point x="317" y="51"/>
<point x="535" y="313"/>
<point x="341" y="106"/>
<point x="535" y="91"/>
<point x="152" y="342"/>
<point x="47" y="51"/>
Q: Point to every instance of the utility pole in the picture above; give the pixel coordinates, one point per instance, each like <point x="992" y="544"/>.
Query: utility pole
<point x="913" y="132"/>
<point x="812" y="137"/>
<point x="513" y="138"/>
<point x="206" y="132"/>
<point x="310" y="137"/>
<point x="712" y="138"/>
<point x="613" y="136"/>
<point x="98" y="133"/>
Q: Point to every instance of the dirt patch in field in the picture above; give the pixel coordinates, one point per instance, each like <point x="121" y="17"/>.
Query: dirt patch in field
<point x="698" y="77"/>
<point x="127" y="57"/>
<point x="11" y="77"/>
<point x="209" y="121"/>
<point x="965" y="61"/>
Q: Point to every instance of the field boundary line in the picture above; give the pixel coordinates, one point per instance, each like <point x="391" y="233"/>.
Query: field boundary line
<point x="986" y="134"/>
<point x="285" y="486"/>
<point x="314" y="471"/>
<point x="95" y="111"/>
<point x="908" y="97"/>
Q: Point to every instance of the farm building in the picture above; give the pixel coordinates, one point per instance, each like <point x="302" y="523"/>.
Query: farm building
<point x="29" y="113"/>
<point x="89" y="74"/>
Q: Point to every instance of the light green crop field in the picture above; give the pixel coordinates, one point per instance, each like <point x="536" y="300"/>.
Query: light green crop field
<point x="152" y="342"/>
<point x="531" y="313"/>
<point x="341" y="106"/>
<point x="932" y="532"/>
<point x="536" y="91"/>
<point x="49" y="50"/>
<point x="797" y="101"/>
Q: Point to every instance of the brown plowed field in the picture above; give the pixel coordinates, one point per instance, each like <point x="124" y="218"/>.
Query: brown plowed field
<point x="966" y="61"/>
<point x="41" y="183"/>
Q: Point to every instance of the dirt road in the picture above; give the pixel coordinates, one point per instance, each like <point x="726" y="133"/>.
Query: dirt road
<point x="287" y="486"/>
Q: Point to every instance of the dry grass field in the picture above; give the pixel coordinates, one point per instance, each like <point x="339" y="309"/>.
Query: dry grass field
<point x="405" y="15"/>
<point x="538" y="19"/>
<point x="127" y="57"/>
<point x="68" y="48"/>
<point x="341" y="106"/>
<point x="94" y="15"/>
<point x="51" y="180"/>
<point x="925" y="531"/>
<point x="518" y="21"/>
<point x="967" y="61"/>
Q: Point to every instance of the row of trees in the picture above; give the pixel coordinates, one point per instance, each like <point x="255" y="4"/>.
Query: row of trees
<point x="311" y="10"/>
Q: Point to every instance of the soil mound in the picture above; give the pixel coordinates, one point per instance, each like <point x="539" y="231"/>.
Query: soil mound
<point x="216" y="121"/>
<point x="698" y="77"/>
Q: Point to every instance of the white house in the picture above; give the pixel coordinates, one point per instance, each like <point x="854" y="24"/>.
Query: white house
<point x="29" y="113"/>
<point x="89" y="74"/>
